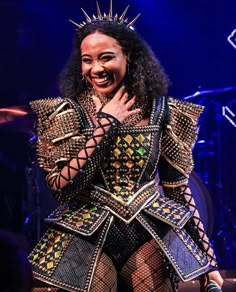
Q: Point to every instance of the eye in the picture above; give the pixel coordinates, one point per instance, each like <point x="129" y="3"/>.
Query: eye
<point x="86" y="60"/>
<point x="107" y="57"/>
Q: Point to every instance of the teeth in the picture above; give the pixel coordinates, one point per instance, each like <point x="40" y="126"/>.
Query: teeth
<point x="101" y="80"/>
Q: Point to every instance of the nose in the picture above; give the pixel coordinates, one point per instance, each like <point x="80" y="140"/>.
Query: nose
<point x="97" y="67"/>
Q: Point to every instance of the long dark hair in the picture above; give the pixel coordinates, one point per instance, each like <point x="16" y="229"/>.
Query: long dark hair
<point x="145" y="76"/>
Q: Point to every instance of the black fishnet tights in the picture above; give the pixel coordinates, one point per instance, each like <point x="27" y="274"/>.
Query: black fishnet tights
<point x="194" y="226"/>
<point x="105" y="277"/>
<point x="144" y="271"/>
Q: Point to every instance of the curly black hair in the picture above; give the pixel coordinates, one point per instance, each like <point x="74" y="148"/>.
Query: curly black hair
<point x="145" y="76"/>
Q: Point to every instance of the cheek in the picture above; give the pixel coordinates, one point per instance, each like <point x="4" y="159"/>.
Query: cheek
<point x="123" y="70"/>
<point x="120" y="68"/>
<point x="84" y="68"/>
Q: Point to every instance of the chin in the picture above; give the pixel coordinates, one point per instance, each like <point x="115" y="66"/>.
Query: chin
<point x="105" y="90"/>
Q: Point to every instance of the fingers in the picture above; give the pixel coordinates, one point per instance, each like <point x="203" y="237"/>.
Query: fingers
<point x="216" y="277"/>
<point x="122" y="96"/>
<point x="130" y="102"/>
<point x="120" y="106"/>
<point x="128" y="105"/>
<point x="119" y="93"/>
<point x="133" y="112"/>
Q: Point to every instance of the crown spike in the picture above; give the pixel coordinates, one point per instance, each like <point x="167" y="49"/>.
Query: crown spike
<point x="123" y="20"/>
<point x="123" y="14"/>
<point x="88" y="19"/>
<point x="110" y="10"/>
<point x="99" y="12"/>
<point x="76" y="24"/>
<point x="133" y="21"/>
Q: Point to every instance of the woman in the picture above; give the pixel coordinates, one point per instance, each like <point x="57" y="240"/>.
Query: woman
<point x="101" y="147"/>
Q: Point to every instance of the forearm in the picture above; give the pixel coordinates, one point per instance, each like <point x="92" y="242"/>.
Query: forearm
<point x="83" y="166"/>
<point x="194" y="226"/>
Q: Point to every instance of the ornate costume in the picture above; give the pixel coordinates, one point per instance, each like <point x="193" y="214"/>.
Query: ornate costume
<point x="113" y="203"/>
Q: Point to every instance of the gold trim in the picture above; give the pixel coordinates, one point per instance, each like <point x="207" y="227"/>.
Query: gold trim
<point x="136" y="213"/>
<point x="126" y="204"/>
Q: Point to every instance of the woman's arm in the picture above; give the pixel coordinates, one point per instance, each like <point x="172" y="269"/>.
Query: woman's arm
<point x="69" y="164"/>
<point x="175" y="166"/>
<point x="85" y="163"/>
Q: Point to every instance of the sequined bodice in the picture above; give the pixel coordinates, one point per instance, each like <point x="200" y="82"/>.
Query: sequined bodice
<point x="129" y="168"/>
<point x="129" y="158"/>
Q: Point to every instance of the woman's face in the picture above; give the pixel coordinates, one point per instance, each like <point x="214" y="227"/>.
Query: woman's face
<point x="103" y="62"/>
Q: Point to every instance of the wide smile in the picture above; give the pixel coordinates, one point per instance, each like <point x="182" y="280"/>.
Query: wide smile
<point x="101" y="80"/>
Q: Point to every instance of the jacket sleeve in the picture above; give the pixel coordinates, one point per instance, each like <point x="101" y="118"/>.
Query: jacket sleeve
<point x="176" y="164"/>
<point x="69" y="158"/>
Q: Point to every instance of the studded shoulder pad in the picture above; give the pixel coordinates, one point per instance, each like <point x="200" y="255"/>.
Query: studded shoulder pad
<point x="58" y="127"/>
<point x="179" y="137"/>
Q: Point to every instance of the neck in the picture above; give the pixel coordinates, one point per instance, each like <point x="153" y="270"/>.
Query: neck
<point x="86" y="100"/>
<point x="106" y="97"/>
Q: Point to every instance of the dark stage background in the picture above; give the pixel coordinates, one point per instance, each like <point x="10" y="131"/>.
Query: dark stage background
<point x="189" y="38"/>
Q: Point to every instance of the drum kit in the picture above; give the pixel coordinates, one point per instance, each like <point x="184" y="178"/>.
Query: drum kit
<point x="17" y="118"/>
<point x="21" y="120"/>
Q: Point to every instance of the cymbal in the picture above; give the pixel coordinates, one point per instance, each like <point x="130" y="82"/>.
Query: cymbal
<point x="17" y="118"/>
<point x="216" y="90"/>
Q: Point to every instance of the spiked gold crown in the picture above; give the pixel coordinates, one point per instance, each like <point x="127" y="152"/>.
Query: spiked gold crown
<point x="107" y="17"/>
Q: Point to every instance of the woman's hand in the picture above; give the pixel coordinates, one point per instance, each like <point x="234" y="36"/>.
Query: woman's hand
<point x="216" y="277"/>
<point x="119" y="106"/>
<point x="213" y="276"/>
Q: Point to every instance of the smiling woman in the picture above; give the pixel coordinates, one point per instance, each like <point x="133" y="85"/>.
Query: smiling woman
<point x="103" y="62"/>
<point x="101" y="146"/>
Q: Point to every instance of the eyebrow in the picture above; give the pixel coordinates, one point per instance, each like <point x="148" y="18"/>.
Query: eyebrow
<point x="103" y="53"/>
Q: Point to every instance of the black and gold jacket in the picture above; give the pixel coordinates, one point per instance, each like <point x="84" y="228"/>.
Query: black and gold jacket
<point x="118" y="181"/>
